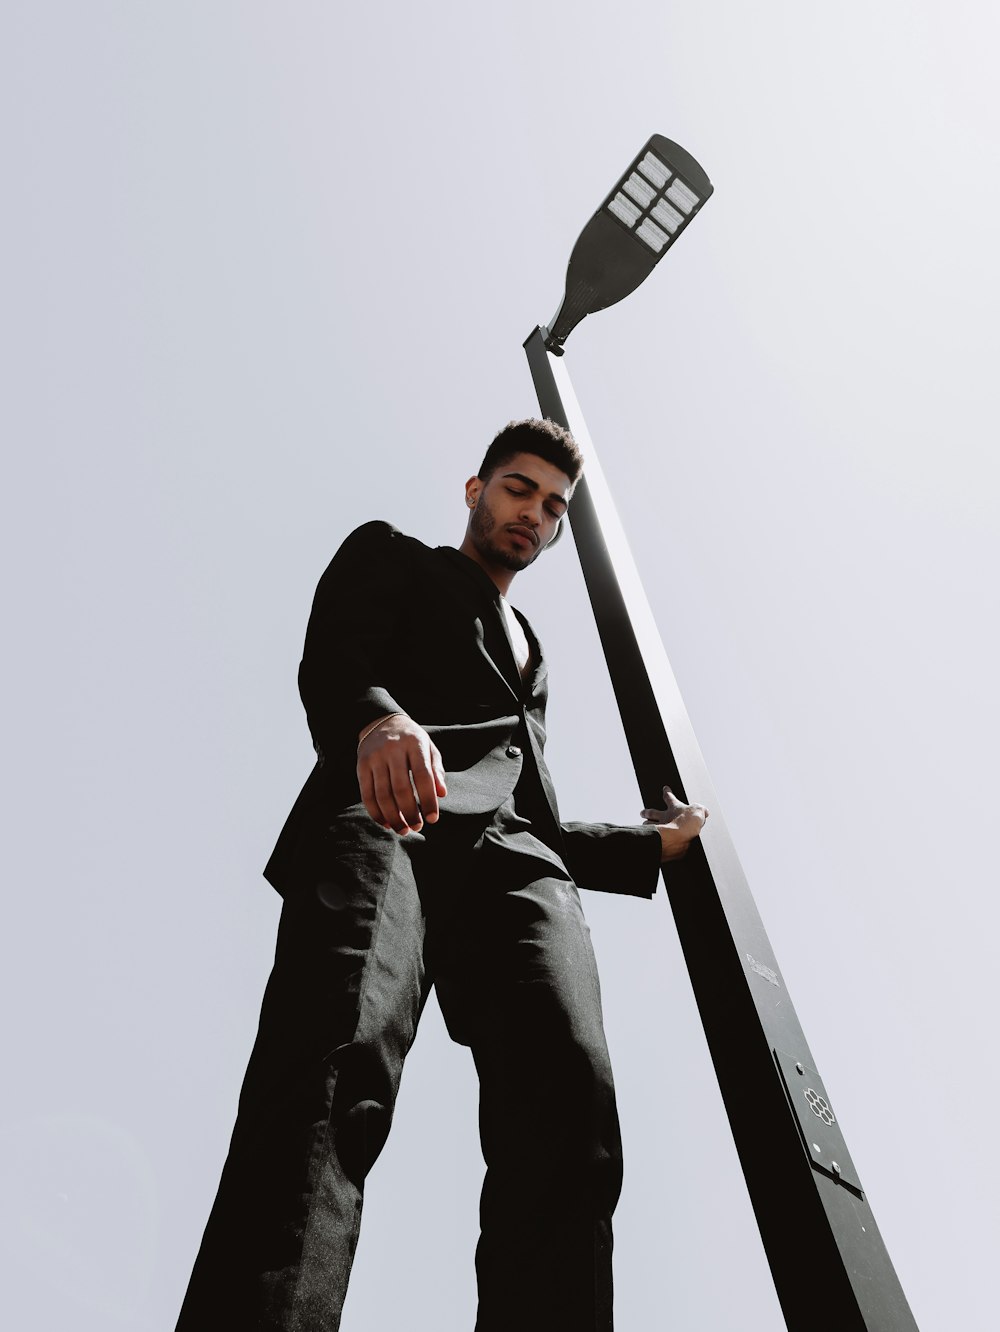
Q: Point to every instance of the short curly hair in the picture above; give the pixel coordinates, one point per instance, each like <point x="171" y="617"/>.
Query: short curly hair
<point x="545" y="439"/>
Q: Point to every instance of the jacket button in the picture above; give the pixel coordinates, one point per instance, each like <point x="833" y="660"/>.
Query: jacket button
<point x="513" y="751"/>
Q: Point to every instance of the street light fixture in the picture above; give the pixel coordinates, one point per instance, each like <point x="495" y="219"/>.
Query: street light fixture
<point x="830" y="1267"/>
<point x="630" y="233"/>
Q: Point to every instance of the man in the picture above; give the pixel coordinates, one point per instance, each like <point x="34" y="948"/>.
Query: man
<point x="426" y="847"/>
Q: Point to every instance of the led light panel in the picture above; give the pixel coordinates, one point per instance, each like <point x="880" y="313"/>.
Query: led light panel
<point x="684" y="198"/>
<point x="655" y="170"/>
<point x="667" y="216"/>
<point x="653" y="202"/>
<point x="640" y="191"/>
<point x="652" y="235"/>
<point x="624" y="209"/>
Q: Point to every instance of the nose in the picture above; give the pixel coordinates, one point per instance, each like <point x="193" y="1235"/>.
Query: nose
<point x="531" y="513"/>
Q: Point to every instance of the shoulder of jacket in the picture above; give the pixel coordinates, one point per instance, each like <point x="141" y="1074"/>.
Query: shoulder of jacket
<point x="377" y="532"/>
<point x="379" y="539"/>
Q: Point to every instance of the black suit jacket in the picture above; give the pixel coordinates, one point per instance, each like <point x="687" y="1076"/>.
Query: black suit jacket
<point x="397" y="626"/>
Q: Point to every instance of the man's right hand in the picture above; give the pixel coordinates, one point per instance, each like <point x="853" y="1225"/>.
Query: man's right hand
<point x="400" y="774"/>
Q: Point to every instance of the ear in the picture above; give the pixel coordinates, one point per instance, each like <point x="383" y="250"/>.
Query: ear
<point x="473" y="489"/>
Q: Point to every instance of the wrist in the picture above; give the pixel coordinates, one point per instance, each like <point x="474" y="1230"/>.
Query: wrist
<point x="373" y="726"/>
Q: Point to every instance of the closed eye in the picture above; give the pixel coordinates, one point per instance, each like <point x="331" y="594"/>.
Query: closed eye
<point x="553" y="513"/>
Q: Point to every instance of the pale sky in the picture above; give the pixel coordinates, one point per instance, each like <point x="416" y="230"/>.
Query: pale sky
<point x="266" y="273"/>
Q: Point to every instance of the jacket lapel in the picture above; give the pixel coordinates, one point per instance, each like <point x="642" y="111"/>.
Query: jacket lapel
<point x="492" y="630"/>
<point x="539" y="669"/>
<point x="497" y="648"/>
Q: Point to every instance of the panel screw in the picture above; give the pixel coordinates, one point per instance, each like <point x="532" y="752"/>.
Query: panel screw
<point x="799" y="1068"/>
<point x="835" y="1168"/>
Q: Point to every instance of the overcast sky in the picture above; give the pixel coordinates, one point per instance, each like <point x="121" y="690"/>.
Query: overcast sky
<point x="266" y="273"/>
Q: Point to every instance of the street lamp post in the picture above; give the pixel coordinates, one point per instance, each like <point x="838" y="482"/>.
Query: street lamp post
<point x="830" y="1267"/>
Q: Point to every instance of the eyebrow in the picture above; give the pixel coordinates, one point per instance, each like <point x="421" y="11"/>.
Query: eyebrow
<point x="533" y="485"/>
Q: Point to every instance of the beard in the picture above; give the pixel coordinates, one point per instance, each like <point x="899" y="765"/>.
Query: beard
<point x="482" y="525"/>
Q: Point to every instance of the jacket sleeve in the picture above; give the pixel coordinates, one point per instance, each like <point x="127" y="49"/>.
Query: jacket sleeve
<point x="359" y="608"/>
<point x="610" y="858"/>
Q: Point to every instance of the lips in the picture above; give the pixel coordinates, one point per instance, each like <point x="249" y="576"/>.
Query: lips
<point x="525" y="533"/>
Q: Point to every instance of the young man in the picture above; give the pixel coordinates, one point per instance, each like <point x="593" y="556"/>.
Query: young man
<point x="427" y="848"/>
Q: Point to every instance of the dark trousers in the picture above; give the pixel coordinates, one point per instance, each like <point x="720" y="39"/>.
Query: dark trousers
<point x="504" y="937"/>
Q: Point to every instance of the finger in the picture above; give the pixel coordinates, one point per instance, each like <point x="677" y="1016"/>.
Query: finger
<point x="425" y="784"/>
<point x="366" y="785"/>
<point x="387" y="802"/>
<point x="439" y="773"/>
<point x="402" y="789"/>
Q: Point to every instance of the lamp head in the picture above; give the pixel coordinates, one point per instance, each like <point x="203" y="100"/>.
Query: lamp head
<point x="637" y="223"/>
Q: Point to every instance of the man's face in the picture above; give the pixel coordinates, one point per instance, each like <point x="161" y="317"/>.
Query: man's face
<point x="517" y="510"/>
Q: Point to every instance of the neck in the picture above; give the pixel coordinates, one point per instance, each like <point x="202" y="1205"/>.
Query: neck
<point x="501" y="577"/>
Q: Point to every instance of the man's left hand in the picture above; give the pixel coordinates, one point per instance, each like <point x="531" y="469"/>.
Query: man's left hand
<point x="678" y="825"/>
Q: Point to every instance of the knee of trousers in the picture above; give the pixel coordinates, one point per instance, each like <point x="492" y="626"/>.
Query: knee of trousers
<point x="574" y="1184"/>
<point x="556" y="1139"/>
<point x="592" y="1181"/>
<point x="359" y="1134"/>
<point x="363" y="1102"/>
<point x="594" y="1175"/>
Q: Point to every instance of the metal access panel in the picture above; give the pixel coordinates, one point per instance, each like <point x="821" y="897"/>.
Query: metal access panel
<point x="821" y="1135"/>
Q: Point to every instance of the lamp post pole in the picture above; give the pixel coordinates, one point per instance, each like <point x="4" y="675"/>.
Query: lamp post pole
<point x="830" y="1267"/>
